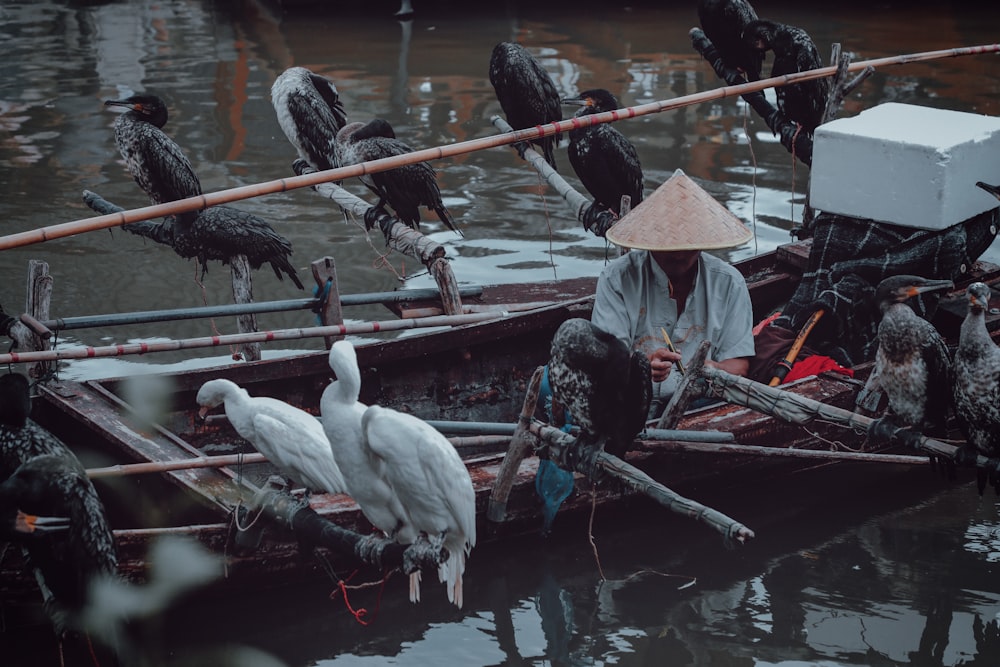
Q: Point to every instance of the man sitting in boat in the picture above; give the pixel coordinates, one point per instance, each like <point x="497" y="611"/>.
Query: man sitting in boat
<point x="666" y="295"/>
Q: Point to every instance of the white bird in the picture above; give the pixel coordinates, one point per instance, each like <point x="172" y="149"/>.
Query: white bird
<point x="341" y="412"/>
<point x="432" y="482"/>
<point x="310" y="113"/>
<point x="290" y="438"/>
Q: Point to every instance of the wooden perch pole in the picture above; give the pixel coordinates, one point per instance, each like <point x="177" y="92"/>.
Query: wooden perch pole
<point x="600" y="462"/>
<point x="581" y="206"/>
<point x="520" y="443"/>
<point x="796" y="409"/>
<point x="240" y="275"/>
<point x="310" y="528"/>
<point x="399" y="237"/>
<point x="460" y="148"/>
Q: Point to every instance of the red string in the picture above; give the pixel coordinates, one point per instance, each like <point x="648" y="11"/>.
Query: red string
<point x="360" y="613"/>
<point x="357" y="614"/>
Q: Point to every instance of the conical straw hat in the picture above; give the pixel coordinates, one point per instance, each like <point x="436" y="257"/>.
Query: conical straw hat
<point x="679" y="215"/>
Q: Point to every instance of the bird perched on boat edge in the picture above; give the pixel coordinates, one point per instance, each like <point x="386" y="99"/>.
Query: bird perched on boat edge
<point x="290" y="438"/>
<point x="604" y="160"/>
<point x="162" y="170"/>
<point x="42" y="477"/>
<point x="433" y="485"/>
<point x="364" y="472"/>
<point x="526" y="93"/>
<point x="912" y="363"/>
<point x="723" y="22"/>
<point x="310" y="114"/>
<point x="794" y="51"/>
<point x="976" y="386"/>
<point x="605" y="386"/>
<point x="156" y="162"/>
<point x="404" y="188"/>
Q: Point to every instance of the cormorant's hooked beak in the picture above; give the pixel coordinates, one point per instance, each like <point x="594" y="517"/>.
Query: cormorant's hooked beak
<point x="930" y="286"/>
<point x="123" y="104"/>
<point x="992" y="189"/>
<point x="29" y="523"/>
<point x="578" y="101"/>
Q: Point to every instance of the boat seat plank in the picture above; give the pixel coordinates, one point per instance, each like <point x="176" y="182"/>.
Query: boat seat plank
<point x="92" y="412"/>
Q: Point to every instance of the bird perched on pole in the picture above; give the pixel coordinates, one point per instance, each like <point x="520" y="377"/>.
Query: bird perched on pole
<point x="604" y="385"/>
<point x="364" y="472"/>
<point x="405" y="188"/>
<point x="975" y="385"/>
<point x="723" y="22"/>
<point x="526" y="93"/>
<point x="912" y="363"/>
<point x="156" y="162"/>
<point x="310" y="114"/>
<point x="432" y="483"/>
<point x="290" y="438"/>
<point x="604" y="160"/>
<point x="160" y="168"/>
<point x="794" y="51"/>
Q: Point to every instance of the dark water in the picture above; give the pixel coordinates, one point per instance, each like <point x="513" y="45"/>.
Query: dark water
<point x="890" y="572"/>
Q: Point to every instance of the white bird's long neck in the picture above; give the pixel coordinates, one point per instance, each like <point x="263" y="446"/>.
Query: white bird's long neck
<point x="347" y="386"/>
<point x="237" y="402"/>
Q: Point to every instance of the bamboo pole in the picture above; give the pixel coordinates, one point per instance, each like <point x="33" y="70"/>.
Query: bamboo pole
<point x="733" y="449"/>
<point x="148" y="467"/>
<point x="65" y="229"/>
<point x="261" y="336"/>
<point x="284" y="305"/>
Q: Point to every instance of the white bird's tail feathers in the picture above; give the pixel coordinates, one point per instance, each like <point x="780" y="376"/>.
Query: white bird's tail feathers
<point x="449" y="573"/>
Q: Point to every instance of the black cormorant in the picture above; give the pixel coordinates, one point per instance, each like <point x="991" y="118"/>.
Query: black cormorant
<point x="794" y="51"/>
<point x="605" y="386"/>
<point x="310" y="114"/>
<point x="43" y="477"/>
<point x="723" y="22"/>
<point x="155" y="161"/>
<point x="976" y="383"/>
<point x="526" y="93"/>
<point x="160" y="168"/>
<point x="220" y="233"/>
<point x="604" y="160"/>
<point x="404" y="188"/>
<point x="912" y="361"/>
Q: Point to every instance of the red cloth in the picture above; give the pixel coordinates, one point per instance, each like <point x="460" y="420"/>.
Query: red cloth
<point x="814" y="365"/>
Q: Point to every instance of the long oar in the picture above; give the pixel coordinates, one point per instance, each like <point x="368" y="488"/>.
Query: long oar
<point x="307" y="180"/>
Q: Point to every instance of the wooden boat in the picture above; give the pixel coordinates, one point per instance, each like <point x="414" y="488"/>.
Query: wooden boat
<point x="474" y="373"/>
<point x="477" y="372"/>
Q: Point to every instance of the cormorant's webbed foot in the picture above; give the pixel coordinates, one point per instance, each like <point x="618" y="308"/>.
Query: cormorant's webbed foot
<point x="521" y="147"/>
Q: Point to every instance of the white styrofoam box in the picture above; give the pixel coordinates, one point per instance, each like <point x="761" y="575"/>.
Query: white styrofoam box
<point x="906" y="165"/>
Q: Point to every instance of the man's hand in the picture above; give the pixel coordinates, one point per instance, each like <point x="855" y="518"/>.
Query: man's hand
<point x="661" y="361"/>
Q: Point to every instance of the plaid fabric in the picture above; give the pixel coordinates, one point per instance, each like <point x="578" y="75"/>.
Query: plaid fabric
<point x="850" y="256"/>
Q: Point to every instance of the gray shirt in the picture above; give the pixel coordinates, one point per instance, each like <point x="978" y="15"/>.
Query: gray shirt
<point x="633" y="302"/>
